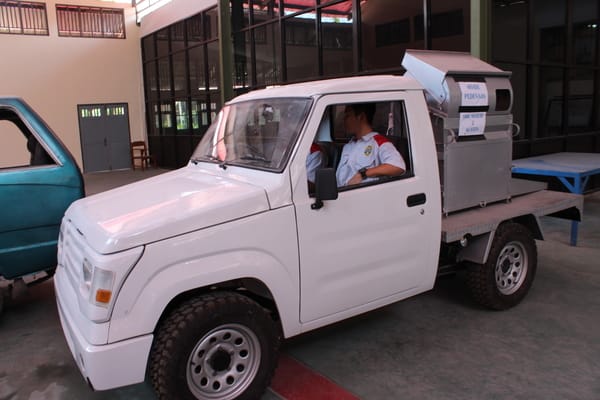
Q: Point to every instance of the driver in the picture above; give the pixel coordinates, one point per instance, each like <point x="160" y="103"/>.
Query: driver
<point x="368" y="155"/>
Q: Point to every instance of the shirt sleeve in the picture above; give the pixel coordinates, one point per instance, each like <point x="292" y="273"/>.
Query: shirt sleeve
<point x="313" y="162"/>
<point x="388" y="154"/>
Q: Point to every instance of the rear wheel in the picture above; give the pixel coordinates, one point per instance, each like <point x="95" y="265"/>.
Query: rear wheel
<point x="507" y="275"/>
<point x="220" y="346"/>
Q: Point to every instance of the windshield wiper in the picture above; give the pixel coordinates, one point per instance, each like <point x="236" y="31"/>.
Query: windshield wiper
<point x="210" y="157"/>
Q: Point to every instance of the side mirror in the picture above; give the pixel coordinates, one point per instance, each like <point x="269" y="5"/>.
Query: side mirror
<point x="325" y="187"/>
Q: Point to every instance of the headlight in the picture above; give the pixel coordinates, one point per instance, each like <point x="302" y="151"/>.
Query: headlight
<point x="102" y="287"/>
<point x="87" y="273"/>
<point x="100" y="278"/>
<point x="97" y="284"/>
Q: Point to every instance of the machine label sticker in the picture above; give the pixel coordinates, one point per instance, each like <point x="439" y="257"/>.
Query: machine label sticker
<point x="473" y="94"/>
<point x="471" y="124"/>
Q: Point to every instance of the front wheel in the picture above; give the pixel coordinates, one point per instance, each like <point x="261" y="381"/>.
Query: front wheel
<point x="220" y="346"/>
<point x="507" y="275"/>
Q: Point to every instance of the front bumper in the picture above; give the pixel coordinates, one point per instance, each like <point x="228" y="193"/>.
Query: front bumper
<point x="105" y="366"/>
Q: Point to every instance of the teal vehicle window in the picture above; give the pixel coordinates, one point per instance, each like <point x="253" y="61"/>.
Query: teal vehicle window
<point x="20" y="148"/>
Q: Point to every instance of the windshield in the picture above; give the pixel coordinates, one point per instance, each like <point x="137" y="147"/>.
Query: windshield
<point x="257" y="133"/>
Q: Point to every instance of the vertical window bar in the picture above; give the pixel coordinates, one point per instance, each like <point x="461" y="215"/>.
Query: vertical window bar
<point x="80" y="17"/>
<point x="21" y="17"/>
<point x="357" y="35"/>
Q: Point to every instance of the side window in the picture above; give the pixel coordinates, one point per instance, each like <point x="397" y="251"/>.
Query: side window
<point x="18" y="146"/>
<point x="366" y="143"/>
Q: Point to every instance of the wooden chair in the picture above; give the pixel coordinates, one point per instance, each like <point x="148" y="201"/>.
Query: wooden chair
<point x="139" y="151"/>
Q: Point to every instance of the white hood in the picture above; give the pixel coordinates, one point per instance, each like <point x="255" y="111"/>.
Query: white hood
<point x="163" y="206"/>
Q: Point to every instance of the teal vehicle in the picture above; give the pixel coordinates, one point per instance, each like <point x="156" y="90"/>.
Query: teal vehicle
<point x="39" y="179"/>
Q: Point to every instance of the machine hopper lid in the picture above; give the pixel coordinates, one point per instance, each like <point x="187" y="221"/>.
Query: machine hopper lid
<point x="449" y="63"/>
<point x="431" y="68"/>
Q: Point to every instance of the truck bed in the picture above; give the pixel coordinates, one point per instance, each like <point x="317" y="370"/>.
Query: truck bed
<point x="477" y="221"/>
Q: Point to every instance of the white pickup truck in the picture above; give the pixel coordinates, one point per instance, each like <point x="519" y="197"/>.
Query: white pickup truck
<point x="192" y="278"/>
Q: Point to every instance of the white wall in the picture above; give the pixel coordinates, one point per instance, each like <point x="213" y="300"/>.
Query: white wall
<point x="54" y="74"/>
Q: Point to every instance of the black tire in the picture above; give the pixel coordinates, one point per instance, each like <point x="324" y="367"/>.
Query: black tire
<point x="507" y="275"/>
<point x="217" y="346"/>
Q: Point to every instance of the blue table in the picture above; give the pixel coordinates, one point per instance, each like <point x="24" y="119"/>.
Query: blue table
<point x="572" y="169"/>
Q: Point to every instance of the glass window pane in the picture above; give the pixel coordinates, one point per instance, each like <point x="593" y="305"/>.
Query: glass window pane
<point x="200" y="115"/>
<point x="386" y="31"/>
<point x="585" y="31"/>
<point x="182" y="120"/>
<point x="197" y="70"/>
<point x="153" y="119"/>
<point x="292" y="6"/>
<point x="148" y="47"/>
<point x="518" y="81"/>
<point x="336" y="25"/>
<point x="213" y="65"/>
<point x="265" y="10"/>
<point x="211" y="23"/>
<point x="580" y="107"/>
<point x="549" y="31"/>
<point x="509" y="30"/>
<point x="178" y="36"/>
<point x="180" y="74"/>
<point x="240" y="14"/>
<point x="150" y="78"/>
<point x="162" y="42"/>
<point x="268" y="44"/>
<point x="166" y="112"/>
<point x="195" y="31"/>
<point x="551" y="101"/>
<point x="242" y="50"/>
<point x="164" y="77"/>
<point x="450" y="25"/>
<point x="301" y="47"/>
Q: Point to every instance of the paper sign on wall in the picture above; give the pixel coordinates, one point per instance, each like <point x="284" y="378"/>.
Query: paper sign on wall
<point x="471" y="124"/>
<point x="473" y="94"/>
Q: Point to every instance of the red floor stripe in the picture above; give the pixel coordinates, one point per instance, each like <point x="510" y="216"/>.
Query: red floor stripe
<point x="295" y="381"/>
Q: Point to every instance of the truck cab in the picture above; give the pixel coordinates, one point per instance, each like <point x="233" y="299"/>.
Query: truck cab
<point x="240" y="218"/>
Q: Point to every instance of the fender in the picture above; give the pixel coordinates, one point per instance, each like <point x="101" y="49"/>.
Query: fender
<point x="262" y="247"/>
<point x="479" y="246"/>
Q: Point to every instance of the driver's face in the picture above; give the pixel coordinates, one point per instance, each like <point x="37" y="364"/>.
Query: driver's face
<point x="351" y="121"/>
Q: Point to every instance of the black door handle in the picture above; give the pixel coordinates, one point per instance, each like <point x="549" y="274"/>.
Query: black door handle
<point x="416" y="199"/>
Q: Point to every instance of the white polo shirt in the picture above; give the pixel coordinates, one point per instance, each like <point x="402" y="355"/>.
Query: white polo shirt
<point x="369" y="151"/>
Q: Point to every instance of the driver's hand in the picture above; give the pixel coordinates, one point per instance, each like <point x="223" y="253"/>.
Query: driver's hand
<point x="356" y="179"/>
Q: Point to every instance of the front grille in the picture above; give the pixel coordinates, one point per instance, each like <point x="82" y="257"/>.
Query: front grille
<point x="72" y="253"/>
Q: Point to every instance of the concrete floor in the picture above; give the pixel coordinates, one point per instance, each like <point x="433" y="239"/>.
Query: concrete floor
<point x="438" y="345"/>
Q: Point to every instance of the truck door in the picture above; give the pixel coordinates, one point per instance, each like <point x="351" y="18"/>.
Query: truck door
<point x="377" y="242"/>
<point x="35" y="190"/>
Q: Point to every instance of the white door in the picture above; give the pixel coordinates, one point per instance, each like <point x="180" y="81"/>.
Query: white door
<point x="374" y="242"/>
